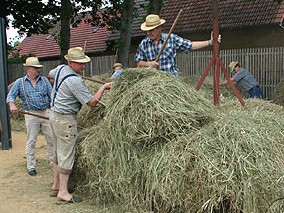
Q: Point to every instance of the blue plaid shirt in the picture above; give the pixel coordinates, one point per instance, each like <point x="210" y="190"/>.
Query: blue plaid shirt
<point x="147" y="51"/>
<point x="38" y="97"/>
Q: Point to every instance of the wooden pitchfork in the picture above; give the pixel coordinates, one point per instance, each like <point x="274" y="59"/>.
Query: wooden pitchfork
<point x="39" y="116"/>
<point x="169" y="34"/>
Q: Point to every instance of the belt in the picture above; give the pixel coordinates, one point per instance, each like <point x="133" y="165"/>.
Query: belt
<point x="61" y="113"/>
<point x="37" y="109"/>
<point x="254" y="87"/>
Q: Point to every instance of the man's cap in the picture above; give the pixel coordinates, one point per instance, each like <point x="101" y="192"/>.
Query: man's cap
<point x="152" y="21"/>
<point x="116" y="65"/>
<point x="32" y="62"/>
<point x="232" y="65"/>
<point x="76" y="54"/>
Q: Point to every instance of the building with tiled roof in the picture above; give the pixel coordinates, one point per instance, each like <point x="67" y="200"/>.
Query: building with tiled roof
<point x="233" y="14"/>
<point x="93" y="39"/>
<point x="242" y="23"/>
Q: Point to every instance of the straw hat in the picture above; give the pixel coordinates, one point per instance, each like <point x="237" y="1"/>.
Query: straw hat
<point x="232" y="65"/>
<point x="152" y="21"/>
<point x="77" y="54"/>
<point x="116" y="65"/>
<point x="32" y="62"/>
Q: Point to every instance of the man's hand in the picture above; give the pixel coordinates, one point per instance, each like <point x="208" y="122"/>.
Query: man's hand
<point x="223" y="83"/>
<point x="152" y="64"/>
<point x="13" y="107"/>
<point x="108" y="85"/>
<point x="218" y="39"/>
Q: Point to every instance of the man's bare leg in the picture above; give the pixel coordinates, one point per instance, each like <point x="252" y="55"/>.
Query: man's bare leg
<point x="63" y="193"/>
<point x="55" y="186"/>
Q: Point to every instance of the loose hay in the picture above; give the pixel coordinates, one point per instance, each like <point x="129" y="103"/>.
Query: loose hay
<point x="162" y="147"/>
<point x="207" y="88"/>
<point x="148" y="105"/>
<point x="278" y="95"/>
<point x="88" y="117"/>
<point x="18" y="120"/>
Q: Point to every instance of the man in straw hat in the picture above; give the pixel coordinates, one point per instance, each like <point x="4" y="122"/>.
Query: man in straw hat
<point x="34" y="92"/>
<point x="151" y="45"/>
<point x="68" y="95"/>
<point x="245" y="79"/>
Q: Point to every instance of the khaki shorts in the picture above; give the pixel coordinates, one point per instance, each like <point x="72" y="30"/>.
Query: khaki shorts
<point x="64" y="130"/>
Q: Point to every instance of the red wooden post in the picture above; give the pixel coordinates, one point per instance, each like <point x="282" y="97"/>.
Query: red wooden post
<point x="216" y="53"/>
<point x="216" y="61"/>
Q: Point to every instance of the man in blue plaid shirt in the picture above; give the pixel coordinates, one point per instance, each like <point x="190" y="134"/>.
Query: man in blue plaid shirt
<point x="34" y="91"/>
<point x="150" y="46"/>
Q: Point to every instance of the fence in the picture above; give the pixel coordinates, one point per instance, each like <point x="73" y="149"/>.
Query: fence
<point x="266" y="65"/>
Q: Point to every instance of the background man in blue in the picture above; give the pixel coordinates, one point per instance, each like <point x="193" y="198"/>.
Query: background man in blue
<point x="117" y="70"/>
<point x="34" y="92"/>
<point x="245" y="79"/>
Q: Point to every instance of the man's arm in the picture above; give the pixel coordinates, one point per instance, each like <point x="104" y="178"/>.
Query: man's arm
<point x="153" y="64"/>
<point x="226" y="82"/>
<point x="12" y="95"/>
<point x="98" y="95"/>
<point x="201" y="44"/>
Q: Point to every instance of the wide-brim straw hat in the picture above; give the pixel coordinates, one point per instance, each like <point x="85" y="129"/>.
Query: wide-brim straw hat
<point x="76" y="54"/>
<point x="116" y="65"/>
<point x="152" y="21"/>
<point x="32" y="62"/>
<point x="232" y="65"/>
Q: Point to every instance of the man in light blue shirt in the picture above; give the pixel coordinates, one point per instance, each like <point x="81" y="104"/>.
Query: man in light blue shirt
<point x="34" y="92"/>
<point x="117" y="70"/>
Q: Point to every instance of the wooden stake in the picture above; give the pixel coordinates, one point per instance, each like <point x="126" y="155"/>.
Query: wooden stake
<point x="40" y="116"/>
<point x="34" y="114"/>
<point x="94" y="80"/>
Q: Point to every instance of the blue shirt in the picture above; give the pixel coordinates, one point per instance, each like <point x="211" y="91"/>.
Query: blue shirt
<point x="147" y="51"/>
<point x="33" y="98"/>
<point x="116" y="74"/>
<point x="245" y="79"/>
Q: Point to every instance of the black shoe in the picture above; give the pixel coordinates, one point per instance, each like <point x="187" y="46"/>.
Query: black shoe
<point x="32" y="172"/>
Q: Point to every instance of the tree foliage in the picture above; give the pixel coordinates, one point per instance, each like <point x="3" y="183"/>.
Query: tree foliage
<point x="30" y="17"/>
<point x="36" y="17"/>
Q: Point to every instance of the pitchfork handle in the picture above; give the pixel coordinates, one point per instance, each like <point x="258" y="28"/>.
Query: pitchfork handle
<point x="169" y="34"/>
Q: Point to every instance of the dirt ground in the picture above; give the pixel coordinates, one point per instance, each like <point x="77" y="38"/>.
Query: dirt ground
<point x="20" y="192"/>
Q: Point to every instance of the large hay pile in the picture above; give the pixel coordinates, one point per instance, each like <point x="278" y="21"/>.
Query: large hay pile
<point x="163" y="147"/>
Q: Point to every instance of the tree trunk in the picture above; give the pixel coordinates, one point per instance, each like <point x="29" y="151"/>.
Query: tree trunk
<point x="125" y="32"/>
<point x="64" y="38"/>
<point x="155" y="6"/>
